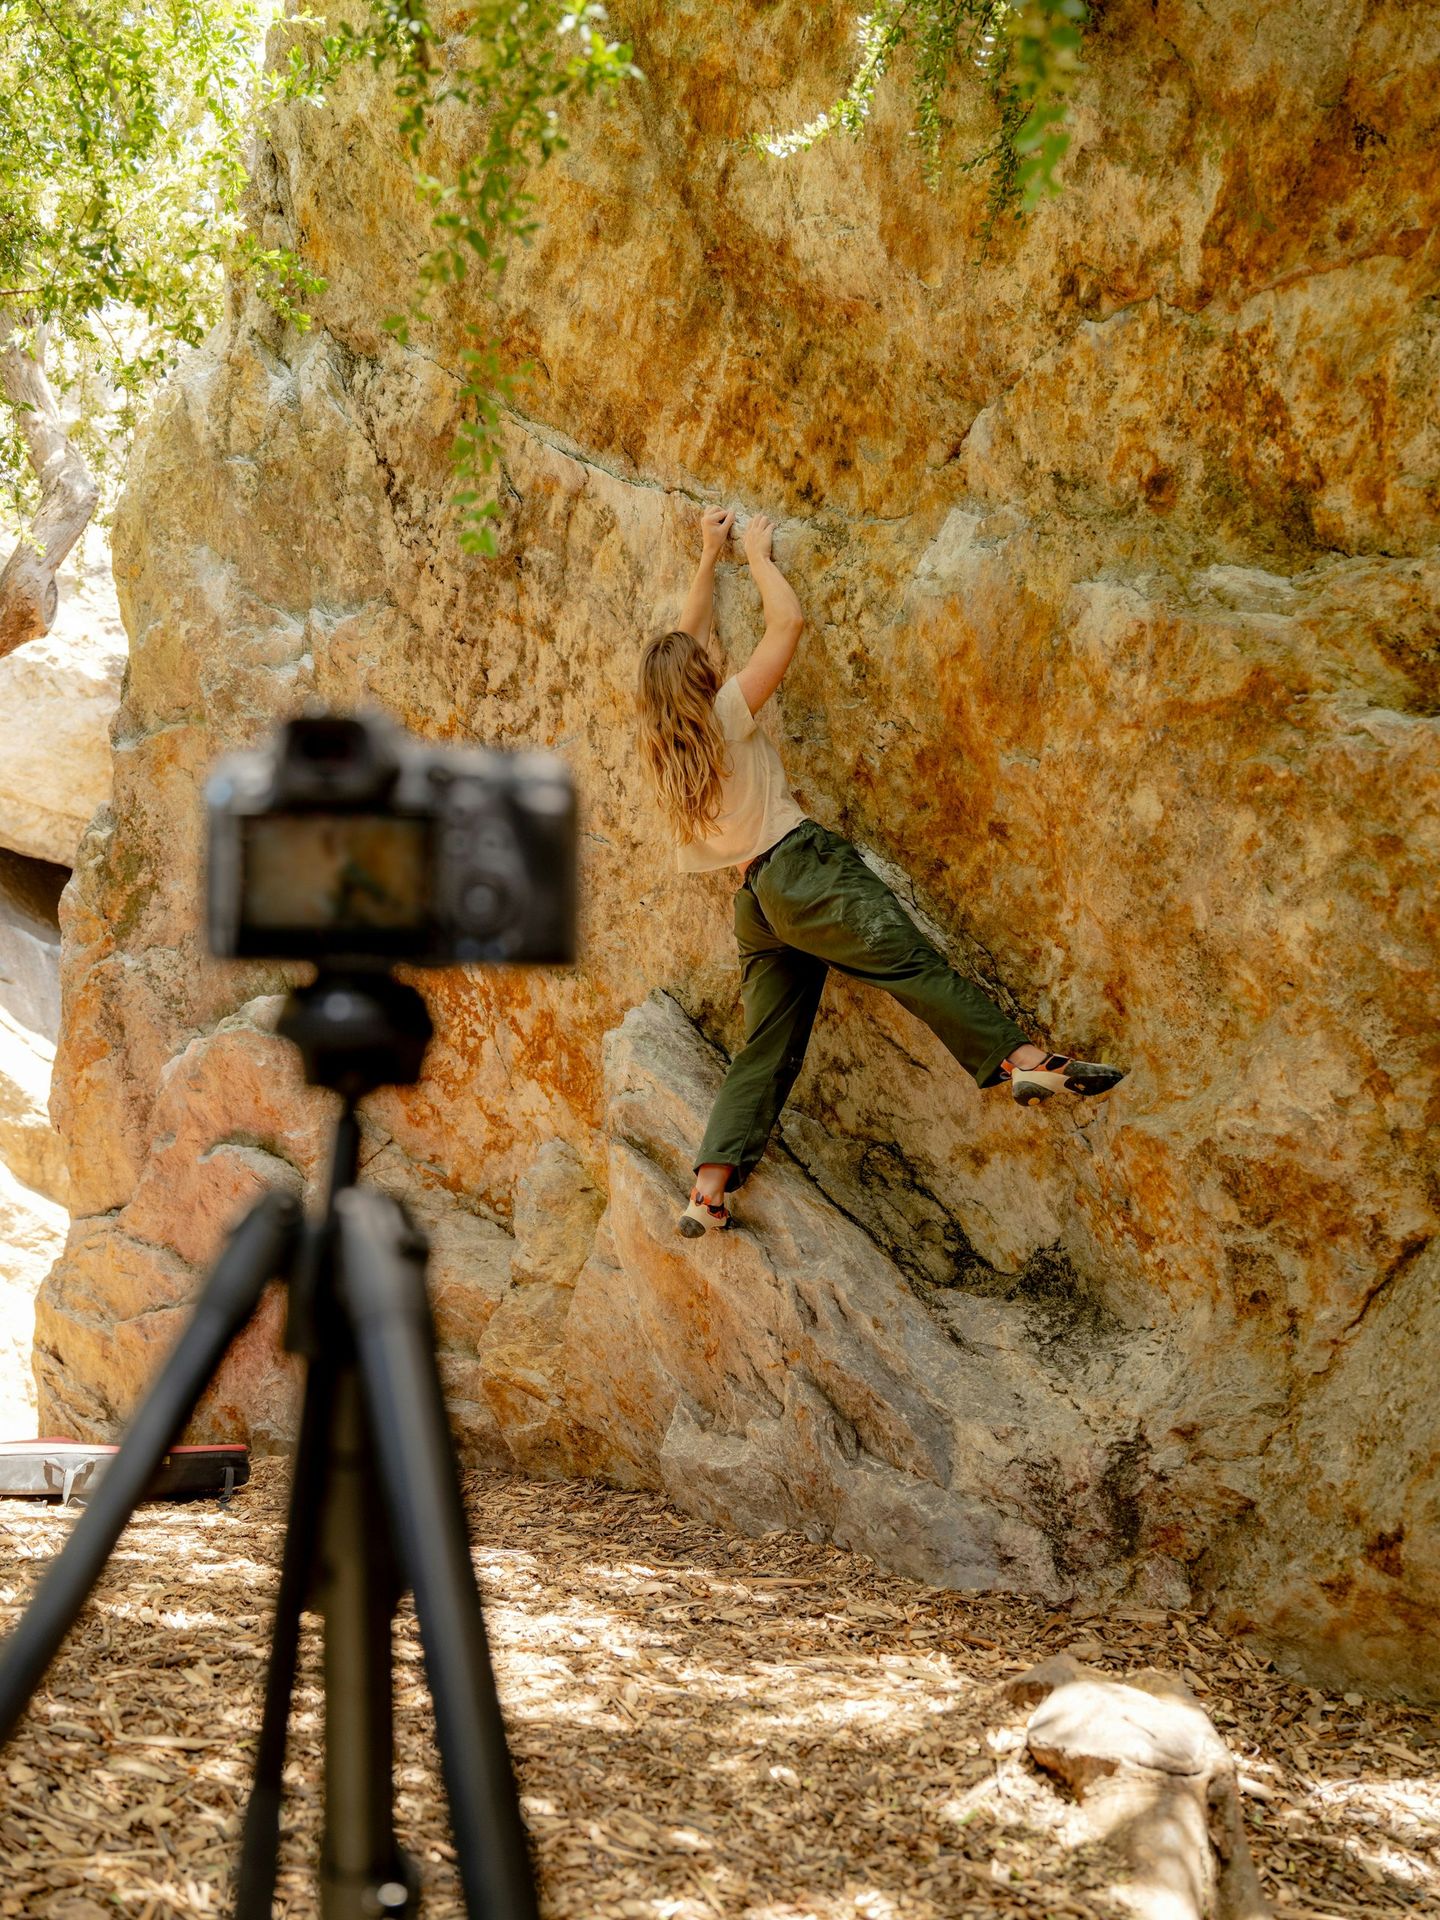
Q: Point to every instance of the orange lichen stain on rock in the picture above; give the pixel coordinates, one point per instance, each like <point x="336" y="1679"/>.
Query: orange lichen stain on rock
<point x="698" y="76"/>
<point x="255" y="1392"/>
<point x="1252" y="417"/>
<point x="1265" y="211"/>
<point x="1158" y="488"/>
<point x="500" y="1040"/>
<point x="1384" y="1552"/>
<point x="1139" y="474"/>
<point x="549" y="1050"/>
<point x="87" y="1044"/>
<point x="1335" y="1253"/>
<point x="1147" y="1203"/>
<point x="990" y="659"/>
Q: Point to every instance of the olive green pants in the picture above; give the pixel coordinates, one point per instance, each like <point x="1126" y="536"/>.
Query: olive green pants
<point x="813" y="905"/>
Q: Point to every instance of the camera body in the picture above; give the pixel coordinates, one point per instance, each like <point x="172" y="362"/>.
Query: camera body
<point x="349" y="842"/>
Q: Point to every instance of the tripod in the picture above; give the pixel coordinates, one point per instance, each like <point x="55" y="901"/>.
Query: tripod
<point x="373" y="1408"/>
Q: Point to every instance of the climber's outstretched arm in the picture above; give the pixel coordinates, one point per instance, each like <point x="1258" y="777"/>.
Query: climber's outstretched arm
<point x="715" y="525"/>
<point x="765" y="669"/>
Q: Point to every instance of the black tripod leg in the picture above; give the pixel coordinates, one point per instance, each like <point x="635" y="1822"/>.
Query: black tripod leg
<point x="382" y="1277"/>
<point x="362" y="1870"/>
<point x="259" y="1846"/>
<point x="313" y="1333"/>
<point x="258" y="1251"/>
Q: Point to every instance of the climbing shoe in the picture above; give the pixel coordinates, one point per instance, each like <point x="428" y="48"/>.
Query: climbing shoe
<point x="704" y="1216"/>
<point x="1059" y="1073"/>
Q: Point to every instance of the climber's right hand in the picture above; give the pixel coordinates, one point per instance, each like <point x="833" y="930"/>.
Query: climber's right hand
<point x="758" y="534"/>
<point x="715" y="525"/>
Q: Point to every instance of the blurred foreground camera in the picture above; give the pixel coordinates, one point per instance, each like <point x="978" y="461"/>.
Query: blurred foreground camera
<point x="351" y="844"/>
<point x="349" y="841"/>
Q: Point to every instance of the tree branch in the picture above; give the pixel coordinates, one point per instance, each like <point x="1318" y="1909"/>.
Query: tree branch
<point x="68" y="495"/>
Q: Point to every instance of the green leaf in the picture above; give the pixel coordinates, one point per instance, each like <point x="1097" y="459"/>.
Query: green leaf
<point x="1024" y="53"/>
<point x="124" y="131"/>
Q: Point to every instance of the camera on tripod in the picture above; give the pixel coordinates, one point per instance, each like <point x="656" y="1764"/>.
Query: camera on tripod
<point x="347" y="841"/>
<point x="351" y="844"/>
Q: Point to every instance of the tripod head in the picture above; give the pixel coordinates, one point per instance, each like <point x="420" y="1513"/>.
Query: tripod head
<point x="357" y="1029"/>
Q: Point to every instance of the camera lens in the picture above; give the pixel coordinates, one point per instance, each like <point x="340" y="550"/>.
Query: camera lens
<point x="482" y="904"/>
<point x="490" y="898"/>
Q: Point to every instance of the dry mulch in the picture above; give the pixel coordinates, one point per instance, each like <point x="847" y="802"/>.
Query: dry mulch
<point x="704" y="1726"/>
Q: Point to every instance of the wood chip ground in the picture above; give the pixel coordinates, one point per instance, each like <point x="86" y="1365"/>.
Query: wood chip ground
<point x="704" y="1726"/>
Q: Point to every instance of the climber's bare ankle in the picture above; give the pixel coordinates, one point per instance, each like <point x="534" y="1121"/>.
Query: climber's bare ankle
<point x="1027" y="1056"/>
<point x="710" y="1182"/>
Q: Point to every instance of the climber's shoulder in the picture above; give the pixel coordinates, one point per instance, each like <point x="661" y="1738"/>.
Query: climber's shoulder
<point x="732" y="710"/>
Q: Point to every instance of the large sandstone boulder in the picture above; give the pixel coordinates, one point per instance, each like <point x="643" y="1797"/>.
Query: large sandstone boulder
<point x="236" y="1119"/>
<point x="1118" y="547"/>
<point x="58" y="695"/>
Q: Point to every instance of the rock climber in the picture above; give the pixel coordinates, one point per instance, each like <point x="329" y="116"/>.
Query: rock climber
<point x="806" y="900"/>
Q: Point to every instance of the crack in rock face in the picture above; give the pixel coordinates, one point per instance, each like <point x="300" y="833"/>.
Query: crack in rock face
<point x="1119" y="563"/>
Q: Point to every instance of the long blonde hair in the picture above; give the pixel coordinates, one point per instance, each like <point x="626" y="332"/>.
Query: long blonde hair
<point x="680" y="743"/>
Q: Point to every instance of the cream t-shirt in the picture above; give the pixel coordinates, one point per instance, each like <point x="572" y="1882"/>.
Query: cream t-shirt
<point x="757" y="807"/>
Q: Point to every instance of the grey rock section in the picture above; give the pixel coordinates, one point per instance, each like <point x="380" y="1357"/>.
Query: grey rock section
<point x="30" y="947"/>
<point x="786" y="1374"/>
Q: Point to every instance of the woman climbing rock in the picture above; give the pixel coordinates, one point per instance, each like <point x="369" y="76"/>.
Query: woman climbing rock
<point x="807" y="901"/>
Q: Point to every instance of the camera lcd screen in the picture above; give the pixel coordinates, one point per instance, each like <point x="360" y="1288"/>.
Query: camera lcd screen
<point x="334" y="872"/>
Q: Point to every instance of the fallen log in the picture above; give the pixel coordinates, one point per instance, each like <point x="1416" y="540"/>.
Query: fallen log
<point x="1157" y="1782"/>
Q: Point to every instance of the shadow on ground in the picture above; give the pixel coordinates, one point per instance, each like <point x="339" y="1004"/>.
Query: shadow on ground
<point x="704" y="1725"/>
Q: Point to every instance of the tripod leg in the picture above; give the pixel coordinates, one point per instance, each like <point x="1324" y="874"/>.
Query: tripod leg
<point x="382" y="1277"/>
<point x="259" y="1846"/>
<point x="362" y="1871"/>
<point x="257" y="1251"/>
<point x="312" y="1330"/>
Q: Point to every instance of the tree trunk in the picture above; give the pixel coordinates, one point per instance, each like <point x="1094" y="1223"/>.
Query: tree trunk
<point x="28" y="593"/>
